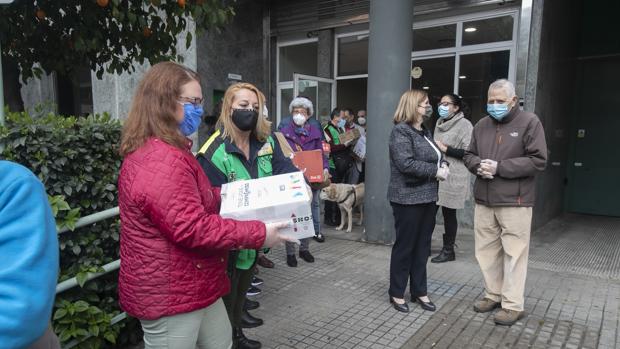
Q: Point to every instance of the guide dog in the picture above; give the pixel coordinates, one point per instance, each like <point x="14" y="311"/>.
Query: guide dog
<point x="348" y="196"/>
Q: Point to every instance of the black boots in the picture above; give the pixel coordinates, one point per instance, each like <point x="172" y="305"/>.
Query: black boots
<point x="240" y="341"/>
<point x="446" y="255"/>
<point x="249" y="321"/>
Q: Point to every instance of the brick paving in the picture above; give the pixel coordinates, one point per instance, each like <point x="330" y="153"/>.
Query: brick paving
<point x="341" y="301"/>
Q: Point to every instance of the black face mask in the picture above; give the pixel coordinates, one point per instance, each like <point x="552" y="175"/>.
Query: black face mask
<point x="245" y="119"/>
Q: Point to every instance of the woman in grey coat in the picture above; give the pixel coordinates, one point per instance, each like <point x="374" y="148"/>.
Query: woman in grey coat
<point x="452" y="136"/>
<point x="415" y="167"/>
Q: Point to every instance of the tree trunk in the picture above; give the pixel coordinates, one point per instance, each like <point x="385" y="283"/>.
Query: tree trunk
<point x="11" y="85"/>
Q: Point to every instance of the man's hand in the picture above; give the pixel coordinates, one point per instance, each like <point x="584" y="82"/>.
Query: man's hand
<point x="484" y="174"/>
<point x="489" y="166"/>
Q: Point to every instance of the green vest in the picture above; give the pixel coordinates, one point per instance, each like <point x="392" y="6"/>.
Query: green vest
<point x="334" y="135"/>
<point x="231" y="166"/>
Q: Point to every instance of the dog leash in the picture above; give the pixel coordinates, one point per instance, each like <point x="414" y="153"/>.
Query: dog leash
<point x="349" y="194"/>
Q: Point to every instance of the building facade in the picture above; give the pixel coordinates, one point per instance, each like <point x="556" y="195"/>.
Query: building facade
<point x="562" y="56"/>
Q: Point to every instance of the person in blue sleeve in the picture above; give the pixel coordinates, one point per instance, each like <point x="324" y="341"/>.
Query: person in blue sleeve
<point x="29" y="271"/>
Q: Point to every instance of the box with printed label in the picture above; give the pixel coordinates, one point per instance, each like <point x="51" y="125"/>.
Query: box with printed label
<point x="359" y="150"/>
<point x="271" y="199"/>
<point x="349" y="136"/>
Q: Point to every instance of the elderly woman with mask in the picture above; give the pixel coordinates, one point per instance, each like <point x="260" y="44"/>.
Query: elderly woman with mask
<point x="303" y="135"/>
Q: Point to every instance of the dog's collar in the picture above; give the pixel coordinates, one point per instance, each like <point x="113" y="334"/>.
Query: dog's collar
<point x="349" y="194"/>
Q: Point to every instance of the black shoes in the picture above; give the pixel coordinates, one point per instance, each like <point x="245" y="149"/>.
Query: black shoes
<point x="240" y="341"/>
<point x="291" y="261"/>
<point x="253" y="291"/>
<point x="319" y="237"/>
<point x="403" y="308"/>
<point x="446" y="255"/>
<point x="306" y="256"/>
<point x="430" y="306"/>
<point x="250" y="304"/>
<point x="249" y="321"/>
<point x="256" y="281"/>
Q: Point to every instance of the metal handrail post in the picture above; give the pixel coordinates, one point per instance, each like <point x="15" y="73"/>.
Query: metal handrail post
<point x="93" y="218"/>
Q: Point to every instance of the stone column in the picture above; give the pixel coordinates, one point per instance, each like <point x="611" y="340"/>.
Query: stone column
<point x="389" y="66"/>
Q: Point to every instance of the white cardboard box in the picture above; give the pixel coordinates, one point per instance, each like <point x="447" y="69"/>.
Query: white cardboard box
<point x="360" y="148"/>
<point x="271" y="199"/>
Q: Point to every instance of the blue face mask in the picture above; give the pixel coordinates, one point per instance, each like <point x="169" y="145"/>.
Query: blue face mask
<point x="341" y="123"/>
<point x="443" y="111"/>
<point x="498" y="111"/>
<point x="192" y="115"/>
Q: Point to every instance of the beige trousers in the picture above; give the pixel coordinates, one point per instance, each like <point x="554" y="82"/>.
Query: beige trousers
<point x="502" y="239"/>
<point x="206" y="328"/>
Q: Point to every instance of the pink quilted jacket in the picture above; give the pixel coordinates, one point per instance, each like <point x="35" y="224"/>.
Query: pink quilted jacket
<point x="174" y="245"/>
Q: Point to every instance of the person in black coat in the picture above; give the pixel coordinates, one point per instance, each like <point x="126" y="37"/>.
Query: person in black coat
<point x="415" y="167"/>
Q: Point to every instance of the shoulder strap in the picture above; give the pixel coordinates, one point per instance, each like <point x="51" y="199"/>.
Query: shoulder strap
<point x="209" y="141"/>
<point x="284" y="145"/>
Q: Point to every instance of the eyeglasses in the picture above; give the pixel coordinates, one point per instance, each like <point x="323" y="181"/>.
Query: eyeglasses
<point x="444" y="104"/>
<point x="196" y="101"/>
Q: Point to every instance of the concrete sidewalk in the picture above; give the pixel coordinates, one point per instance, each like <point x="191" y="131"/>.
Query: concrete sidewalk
<point x="341" y="300"/>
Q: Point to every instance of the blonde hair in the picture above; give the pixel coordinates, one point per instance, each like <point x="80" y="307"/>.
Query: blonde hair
<point x="154" y="105"/>
<point x="408" y="106"/>
<point x="263" y="126"/>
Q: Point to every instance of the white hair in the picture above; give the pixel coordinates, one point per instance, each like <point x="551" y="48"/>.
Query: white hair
<point x="301" y="102"/>
<point x="504" y="84"/>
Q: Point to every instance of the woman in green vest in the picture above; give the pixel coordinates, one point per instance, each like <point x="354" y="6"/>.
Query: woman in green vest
<point x="242" y="148"/>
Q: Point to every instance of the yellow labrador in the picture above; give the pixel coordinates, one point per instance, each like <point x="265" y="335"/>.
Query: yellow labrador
<point x="348" y="196"/>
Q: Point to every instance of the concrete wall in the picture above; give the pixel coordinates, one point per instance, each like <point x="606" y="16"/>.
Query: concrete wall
<point x="551" y="87"/>
<point x="237" y="49"/>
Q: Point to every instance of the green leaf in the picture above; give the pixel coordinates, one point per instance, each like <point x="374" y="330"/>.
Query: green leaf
<point x="76" y="249"/>
<point x="94" y="330"/>
<point x="110" y="337"/>
<point x="81" y="306"/>
<point x="59" y="314"/>
<point x="81" y="278"/>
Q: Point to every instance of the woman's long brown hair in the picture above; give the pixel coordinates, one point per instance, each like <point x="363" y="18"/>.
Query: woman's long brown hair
<point x="154" y="105"/>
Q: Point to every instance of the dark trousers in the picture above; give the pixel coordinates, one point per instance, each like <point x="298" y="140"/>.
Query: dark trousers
<point x="414" y="228"/>
<point x="332" y="212"/>
<point x="240" y="281"/>
<point x="450" y="226"/>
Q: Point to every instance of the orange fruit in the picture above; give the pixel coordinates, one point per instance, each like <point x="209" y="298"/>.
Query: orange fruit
<point x="147" y="32"/>
<point x="40" y="14"/>
<point x="181" y="3"/>
<point x="103" y="3"/>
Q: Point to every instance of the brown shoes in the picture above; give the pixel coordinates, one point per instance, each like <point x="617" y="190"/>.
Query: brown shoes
<point x="507" y="317"/>
<point x="264" y="262"/>
<point x="486" y="305"/>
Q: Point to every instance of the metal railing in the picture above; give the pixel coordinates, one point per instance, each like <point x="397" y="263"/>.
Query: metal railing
<point x="112" y="266"/>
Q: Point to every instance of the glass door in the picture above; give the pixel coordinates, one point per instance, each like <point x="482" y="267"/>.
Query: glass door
<point x="435" y="75"/>
<point x="321" y="91"/>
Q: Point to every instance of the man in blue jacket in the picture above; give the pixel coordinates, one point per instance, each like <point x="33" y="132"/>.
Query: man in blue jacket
<point x="29" y="268"/>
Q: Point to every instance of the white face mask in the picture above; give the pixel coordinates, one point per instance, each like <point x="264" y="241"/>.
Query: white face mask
<point x="361" y="121"/>
<point x="299" y="119"/>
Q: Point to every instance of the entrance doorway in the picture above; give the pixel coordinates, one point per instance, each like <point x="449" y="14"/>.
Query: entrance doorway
<point x="594" y="170"/>
<point x="319" y="90"/>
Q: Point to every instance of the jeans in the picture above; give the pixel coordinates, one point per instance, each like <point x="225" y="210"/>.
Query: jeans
<point x="206" y="328"/>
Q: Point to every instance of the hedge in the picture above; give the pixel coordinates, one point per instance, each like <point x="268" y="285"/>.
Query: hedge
<point x="77" y="160"/>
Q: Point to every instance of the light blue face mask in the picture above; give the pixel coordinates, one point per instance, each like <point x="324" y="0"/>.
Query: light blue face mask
<point x="192" y="115"/>
<point x="341" y="123"/>
<point x="443" y="111"/>
<point x="498" y="111"/>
